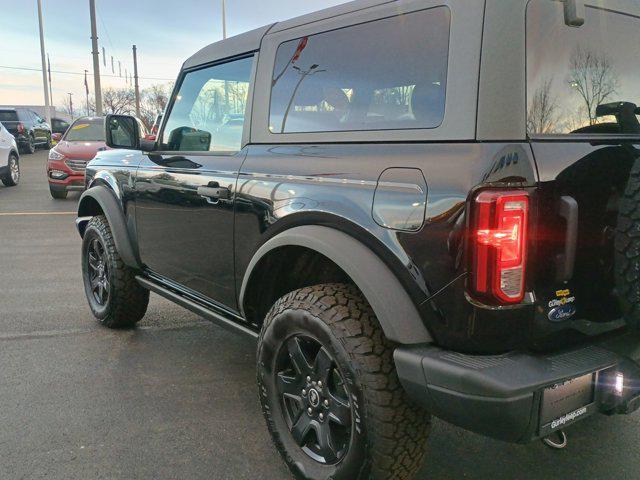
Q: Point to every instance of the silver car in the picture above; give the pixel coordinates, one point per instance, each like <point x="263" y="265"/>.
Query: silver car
<point x="9" y="158"/>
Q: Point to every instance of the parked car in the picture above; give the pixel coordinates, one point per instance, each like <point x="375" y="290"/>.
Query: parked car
<point x="9" y="158"/>
<point x="58" y="128"/>
<point x="421" y="217"/>
<point x="29" y="129"/>
<point x="69" y="158"/>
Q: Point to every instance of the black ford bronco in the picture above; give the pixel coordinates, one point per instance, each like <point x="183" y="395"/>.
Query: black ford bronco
<point x="417" y="207"/>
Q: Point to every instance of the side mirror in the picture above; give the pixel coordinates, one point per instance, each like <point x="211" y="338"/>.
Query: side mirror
<point x="122" y="131"/>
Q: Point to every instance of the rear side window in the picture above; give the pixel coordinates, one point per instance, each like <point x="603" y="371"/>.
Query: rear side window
<point x="383" y="75"/>
<point x="8" y="116"/>
<point x="583" y="80"/>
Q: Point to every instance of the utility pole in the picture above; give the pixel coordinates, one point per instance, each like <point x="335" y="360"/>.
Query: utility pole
<point x="70" y="105"/>
<point x="47" y="100"/>
<point x="86" y="90"/>
<point x="135" y="76"/>
<point x="96" y="59"/>
<point x="49" y="72"/>
<point x="224" y="19"/>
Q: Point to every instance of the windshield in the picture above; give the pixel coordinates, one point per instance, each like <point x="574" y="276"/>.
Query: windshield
<point x="583" y="80"/>
<point x="86" y="131"/>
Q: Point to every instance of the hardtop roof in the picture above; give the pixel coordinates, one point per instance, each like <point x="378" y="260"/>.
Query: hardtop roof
<point x="250" y="41"/>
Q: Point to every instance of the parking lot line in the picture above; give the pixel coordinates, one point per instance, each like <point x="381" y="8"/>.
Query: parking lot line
<point x="20" y="214"/>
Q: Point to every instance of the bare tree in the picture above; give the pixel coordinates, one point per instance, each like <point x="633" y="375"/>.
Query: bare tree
<point x="593" y="77"/>
<point x="153" y="102"/>
<point x="120" y="101"/>
<point x="542" y="116"/>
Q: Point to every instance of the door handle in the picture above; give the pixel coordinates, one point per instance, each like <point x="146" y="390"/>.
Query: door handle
<point x="213" y="191"/>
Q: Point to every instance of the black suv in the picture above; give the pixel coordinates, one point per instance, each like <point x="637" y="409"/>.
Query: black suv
<point x="29" y="129"/>
<point x="420" y="208"/>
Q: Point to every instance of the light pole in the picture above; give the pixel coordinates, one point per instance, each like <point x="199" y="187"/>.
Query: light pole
<point x="70" y="105"/>
<point x="45" y="81"/>
<point x="135" y="76"/>
<point x="96" y="59"/>
<point x="224" y="19"/>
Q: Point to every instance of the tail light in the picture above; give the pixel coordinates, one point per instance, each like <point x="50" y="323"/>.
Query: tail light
<point x="154" y="130"/>
<point x="21" y="128"/>
<point x="498" y="245"/>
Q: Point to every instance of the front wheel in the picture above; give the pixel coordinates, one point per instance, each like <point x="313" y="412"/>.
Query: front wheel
<point x="115" y="297"/>
<point x="12" y="176"/>
<point x="330" y="393"/>
<point x="58" y="193"/>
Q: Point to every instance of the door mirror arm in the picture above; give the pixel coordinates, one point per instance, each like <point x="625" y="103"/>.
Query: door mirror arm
<point x="148" y="145"/>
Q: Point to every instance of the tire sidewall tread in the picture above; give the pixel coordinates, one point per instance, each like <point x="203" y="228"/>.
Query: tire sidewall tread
<point x="391" y="438"/>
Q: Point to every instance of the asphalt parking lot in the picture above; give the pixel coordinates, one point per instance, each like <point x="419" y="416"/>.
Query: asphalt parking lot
<point x="176" y="397"/>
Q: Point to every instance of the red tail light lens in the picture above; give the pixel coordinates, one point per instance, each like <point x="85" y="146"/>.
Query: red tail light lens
<point x="499" y="245"/>
<point x="20" y="128"/>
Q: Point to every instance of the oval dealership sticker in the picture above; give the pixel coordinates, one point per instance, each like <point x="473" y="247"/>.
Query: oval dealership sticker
<point x="564" y="312"/>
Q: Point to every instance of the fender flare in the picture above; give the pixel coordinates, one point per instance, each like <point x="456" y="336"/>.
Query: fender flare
<point x="111" y="209"/>
<point x="396" y="312"/>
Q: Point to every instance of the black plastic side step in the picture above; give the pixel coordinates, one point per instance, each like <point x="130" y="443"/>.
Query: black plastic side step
<point x="196" y="308"/>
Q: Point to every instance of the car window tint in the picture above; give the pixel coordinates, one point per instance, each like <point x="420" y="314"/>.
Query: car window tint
<point x="583" y="80"/>
<point x="382" y="75"/>
<point x="200" y="119"/>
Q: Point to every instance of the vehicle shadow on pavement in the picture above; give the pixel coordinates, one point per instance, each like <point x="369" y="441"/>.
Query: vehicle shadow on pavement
<point x="598" y="448"/>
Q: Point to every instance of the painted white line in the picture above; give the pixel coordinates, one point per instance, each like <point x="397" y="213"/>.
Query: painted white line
<point x="24" y="214"/>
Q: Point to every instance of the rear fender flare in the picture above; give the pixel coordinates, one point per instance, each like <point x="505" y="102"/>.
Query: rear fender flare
<point x="110" y="206"/>
<point x="396" y="312"/>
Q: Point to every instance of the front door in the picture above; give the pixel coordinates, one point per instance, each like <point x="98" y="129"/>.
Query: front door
<point x="185" y="191"/>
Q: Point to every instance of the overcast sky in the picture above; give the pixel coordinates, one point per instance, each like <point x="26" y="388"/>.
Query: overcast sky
<point x="165" y="32"/>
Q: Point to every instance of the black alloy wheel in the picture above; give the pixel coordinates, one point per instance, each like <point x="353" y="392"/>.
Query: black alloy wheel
<point x="314" y="399"/>
<point x="98" y="267"/>
<point x="115" y="297"/>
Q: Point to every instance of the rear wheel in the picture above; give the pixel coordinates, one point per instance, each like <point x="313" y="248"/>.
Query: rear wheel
<point x="31" y="145"/>
<point x="329" y="391"/>
<point x="11" y="178"/>
<point x="115" y="297"/>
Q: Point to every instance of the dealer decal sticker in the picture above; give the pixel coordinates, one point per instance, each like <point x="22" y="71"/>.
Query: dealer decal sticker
<point x="562" y="307"/>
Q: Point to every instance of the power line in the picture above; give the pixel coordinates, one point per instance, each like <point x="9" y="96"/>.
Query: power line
<point x="79" y="73"/>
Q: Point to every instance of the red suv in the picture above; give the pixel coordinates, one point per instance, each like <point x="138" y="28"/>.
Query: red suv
<point x="69" y="158"/>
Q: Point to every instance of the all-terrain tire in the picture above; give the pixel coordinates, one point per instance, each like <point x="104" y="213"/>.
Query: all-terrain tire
<point x="127" y="301"/>
<point x="627" y="249"/>
<point x="389" y="433"/>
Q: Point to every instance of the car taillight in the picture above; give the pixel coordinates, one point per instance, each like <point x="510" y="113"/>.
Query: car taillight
<point x="499" y="245"/>
<point x="20" y="128"/>
<point x="154" y="130"/>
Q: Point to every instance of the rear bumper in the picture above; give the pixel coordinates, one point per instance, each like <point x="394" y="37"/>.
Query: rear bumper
<point x="502" y="396"/>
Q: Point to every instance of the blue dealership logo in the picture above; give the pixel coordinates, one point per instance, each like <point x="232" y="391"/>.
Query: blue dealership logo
<point x="562" y="313"/>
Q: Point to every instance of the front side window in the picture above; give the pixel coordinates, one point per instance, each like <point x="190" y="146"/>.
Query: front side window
<point x="209" y="109"/>
<point x="387" y="74"/>
<point x="582" y="80"/>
